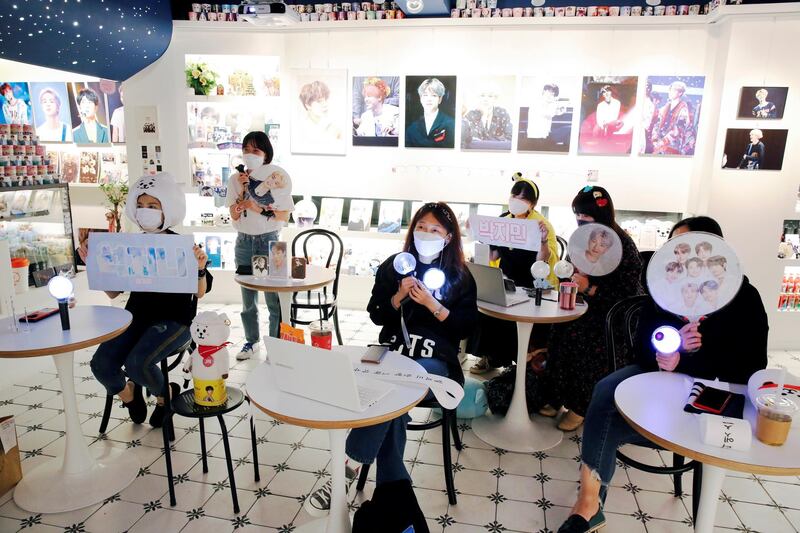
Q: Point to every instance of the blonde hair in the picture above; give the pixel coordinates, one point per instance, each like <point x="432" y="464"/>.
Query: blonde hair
<point x="758" y="133"/>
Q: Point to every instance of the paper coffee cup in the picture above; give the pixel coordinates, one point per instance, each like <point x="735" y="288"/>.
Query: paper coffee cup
<point x="19" y="274"/>
<point x="321" y="334"/>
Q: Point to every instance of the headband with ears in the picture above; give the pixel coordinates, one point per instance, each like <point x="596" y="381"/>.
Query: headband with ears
<point x="518" y="177"/>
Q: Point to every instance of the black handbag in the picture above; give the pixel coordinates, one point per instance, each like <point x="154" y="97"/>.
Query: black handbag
<point x="392" y="509"/>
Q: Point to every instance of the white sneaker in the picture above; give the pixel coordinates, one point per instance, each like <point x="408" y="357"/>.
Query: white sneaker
<point x="248" y="349"/>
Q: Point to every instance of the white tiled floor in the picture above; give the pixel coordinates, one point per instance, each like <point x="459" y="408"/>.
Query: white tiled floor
<point x="498" y="490"/>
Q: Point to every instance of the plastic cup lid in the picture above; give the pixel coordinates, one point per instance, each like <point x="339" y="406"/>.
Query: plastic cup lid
<point x="777" y="403"/>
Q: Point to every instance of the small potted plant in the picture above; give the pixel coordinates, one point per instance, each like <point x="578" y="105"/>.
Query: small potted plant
<point x="116" y="194"/>
<point x="201" y="78"/>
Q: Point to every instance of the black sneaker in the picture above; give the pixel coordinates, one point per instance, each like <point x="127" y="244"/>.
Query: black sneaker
<point x="157" y="418"/>
<point x="318" y="503"/>
<point x="137" y="408"/>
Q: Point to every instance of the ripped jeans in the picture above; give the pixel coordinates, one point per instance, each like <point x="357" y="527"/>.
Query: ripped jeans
<point x="139" y="349"/>
<point x="604" y="429"/>
<point x="386" y="442"/>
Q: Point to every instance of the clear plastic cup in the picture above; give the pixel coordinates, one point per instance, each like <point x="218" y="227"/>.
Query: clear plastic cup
<point x="775" y="413"/>
<point x="321" y="334"/>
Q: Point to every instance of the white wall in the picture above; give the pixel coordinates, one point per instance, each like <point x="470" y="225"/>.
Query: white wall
<point x="370" y="171"/>
<point x="750" y="206"/>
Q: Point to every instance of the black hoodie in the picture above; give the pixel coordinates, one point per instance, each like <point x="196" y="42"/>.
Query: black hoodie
<point x="734" y="339"/>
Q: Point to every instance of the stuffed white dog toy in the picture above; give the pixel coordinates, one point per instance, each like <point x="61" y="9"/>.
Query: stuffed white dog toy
<point x="208" y="364"/>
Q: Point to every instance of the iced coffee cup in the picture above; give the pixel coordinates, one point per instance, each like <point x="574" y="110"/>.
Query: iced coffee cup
<point x="775" y="413"/>
<point x="321" y="334"/>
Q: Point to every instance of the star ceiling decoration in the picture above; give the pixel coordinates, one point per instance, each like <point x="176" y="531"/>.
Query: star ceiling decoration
<point x="111" y="39"/>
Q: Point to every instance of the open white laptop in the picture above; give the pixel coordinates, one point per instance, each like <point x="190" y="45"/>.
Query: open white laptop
<point x="326" y="376"/>
<point x="491" y="287"/>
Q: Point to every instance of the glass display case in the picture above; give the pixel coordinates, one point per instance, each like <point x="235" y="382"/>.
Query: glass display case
<point x="37" y="223"/>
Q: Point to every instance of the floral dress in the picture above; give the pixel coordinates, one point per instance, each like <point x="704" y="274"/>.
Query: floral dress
<point x="577" y="356"/>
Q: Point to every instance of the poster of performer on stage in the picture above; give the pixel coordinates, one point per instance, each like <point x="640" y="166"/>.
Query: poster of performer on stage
<point x="608" y="116"/>
<point x="670" y="114"/>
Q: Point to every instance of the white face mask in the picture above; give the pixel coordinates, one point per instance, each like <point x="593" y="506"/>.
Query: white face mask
<point x="149" y="220"/>
<point x="253" y="161"/>
<point x="428" y="244"/>
<point x="517" y="206"/>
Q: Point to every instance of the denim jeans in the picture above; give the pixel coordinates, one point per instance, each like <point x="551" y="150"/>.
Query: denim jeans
<point x="604" y="429"/>
<point x="246" y="247"/>
<point x="139" y="349"/>
<point x="386" y="442"/>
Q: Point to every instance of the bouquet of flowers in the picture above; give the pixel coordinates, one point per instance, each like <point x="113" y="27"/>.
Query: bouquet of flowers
<point x="116" y="195"/>
<point x="200" y="78"/>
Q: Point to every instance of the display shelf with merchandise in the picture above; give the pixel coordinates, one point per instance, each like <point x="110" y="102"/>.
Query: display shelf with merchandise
<point x="789" y="297"/>
<point x="36" y="221"/>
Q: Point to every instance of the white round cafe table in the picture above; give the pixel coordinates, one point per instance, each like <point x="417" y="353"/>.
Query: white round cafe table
<point x="82" y="477"/>
<point x="652" y="403"/>
<point x="316" y="278"/>
<point x="517" y="431"/>
<point x="296" y="410"/>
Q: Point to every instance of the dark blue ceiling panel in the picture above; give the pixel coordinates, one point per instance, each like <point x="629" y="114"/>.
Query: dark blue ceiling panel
<point x="111" y="39"/>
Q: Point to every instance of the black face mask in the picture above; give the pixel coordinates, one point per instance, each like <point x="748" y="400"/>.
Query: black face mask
<point x="583" y="222"/>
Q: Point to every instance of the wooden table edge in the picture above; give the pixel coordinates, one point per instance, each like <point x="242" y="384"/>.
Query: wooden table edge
<point x="727" y="464"/>
<point x="65" y="348"/>
<point x="531" y="319"/>
<point x="310" y="287"/>
<point x="338" y="424"/>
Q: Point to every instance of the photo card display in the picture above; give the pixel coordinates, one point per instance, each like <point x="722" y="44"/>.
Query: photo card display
<point x="670" y="114"/>
<point x="318" y="111"/>
<point x="486" y="106"/>
<point x="762" y="102"/>
<point x="430" y="111"/>
<point x="376" y="110"/>
<point x="608" y="117"/>
<point x="278" y="260"/>
<point x="754" y="149"/>
<point x="547" y="107"/>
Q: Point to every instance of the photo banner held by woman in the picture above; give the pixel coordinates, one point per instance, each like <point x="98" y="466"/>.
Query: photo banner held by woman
<point x="595" y="249"/>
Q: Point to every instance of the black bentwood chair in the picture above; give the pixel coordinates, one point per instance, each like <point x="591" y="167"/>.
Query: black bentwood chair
<point x="324" y="299"/>
<point x="626" y="313"/>
<point x="449" y="426"/>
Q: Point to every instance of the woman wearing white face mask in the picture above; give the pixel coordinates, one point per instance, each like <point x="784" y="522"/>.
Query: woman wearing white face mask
<point x="436" y="321"/>
<point x="161" y="321"/>
<point x="257" y="226"/>
<point x="500" y="350"/>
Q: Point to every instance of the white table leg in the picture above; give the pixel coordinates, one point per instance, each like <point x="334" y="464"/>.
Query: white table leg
<point x="81" y="478"/>
<point x="338" y="521"/>
<point x="713" y="477"/>
<point x="516" y="431"/>
<point x="286" y="306"/>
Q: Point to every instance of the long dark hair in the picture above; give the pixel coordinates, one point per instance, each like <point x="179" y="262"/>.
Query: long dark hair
<point x="259" y="139"/>
<point x="595" y="201"/>
<point x="452" y="257"/>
